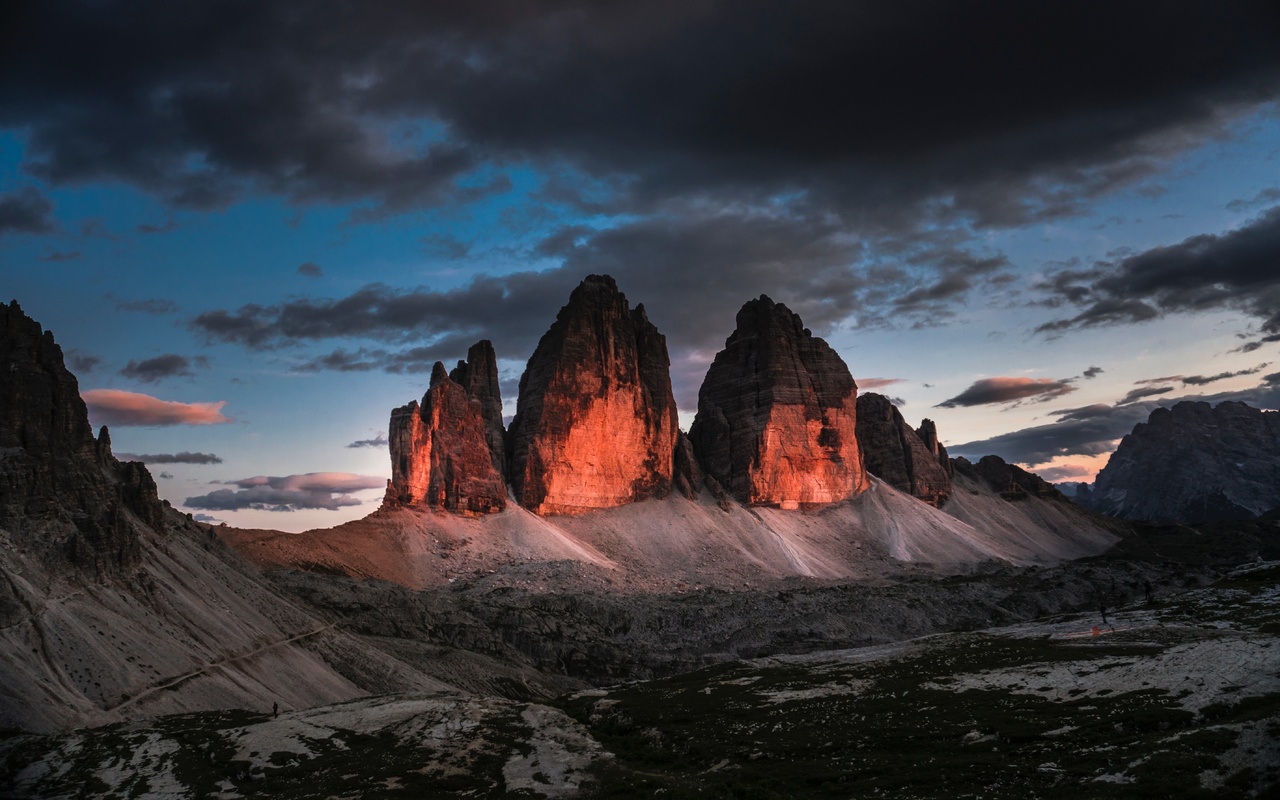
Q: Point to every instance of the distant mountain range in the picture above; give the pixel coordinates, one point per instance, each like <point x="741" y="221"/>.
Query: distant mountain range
<point x="1192" y="463"/>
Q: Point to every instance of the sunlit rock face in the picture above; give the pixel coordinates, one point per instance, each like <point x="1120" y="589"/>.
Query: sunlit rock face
<point x="898" y="455"/>
<point x="777" y="414"/>
<point x="596" y="425"/>
<point x="63" y="494"/>
<point x="478" y="377"/>
<point x="440" y="455"/>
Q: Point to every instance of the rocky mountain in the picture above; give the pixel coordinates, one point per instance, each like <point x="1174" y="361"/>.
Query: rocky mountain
<point x="441" y="452"/>
<point x="777" y="414"/>
<point x="1194" y="463"/>
<point x="64" y="494"/>
<point x="115" y="606"/>
<point x="928" y="433"/>
<point x="900" y="456"/>
<point x="595" y="423"/>
<point x="1009" y="480"/>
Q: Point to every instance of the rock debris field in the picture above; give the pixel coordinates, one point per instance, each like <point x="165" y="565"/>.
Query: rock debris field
<point x="1181" y="699"/>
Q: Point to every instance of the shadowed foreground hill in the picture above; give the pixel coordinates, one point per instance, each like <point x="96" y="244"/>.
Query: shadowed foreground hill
<point x="113" y="605"/>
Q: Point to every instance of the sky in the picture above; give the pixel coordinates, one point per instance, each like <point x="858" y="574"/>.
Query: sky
<point x="254" y="226"/>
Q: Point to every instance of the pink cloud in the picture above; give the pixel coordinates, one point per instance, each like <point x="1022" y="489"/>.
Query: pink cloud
<point x="1008" y="390"/>
<point x="116" y="407"/>
<point x="867" y="384"/>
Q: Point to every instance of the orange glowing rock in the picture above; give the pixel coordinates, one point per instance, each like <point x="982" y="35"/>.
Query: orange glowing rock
<point x="440" y="456"/>
<point x="777" y="414"/>
<point x="596" y="422"/>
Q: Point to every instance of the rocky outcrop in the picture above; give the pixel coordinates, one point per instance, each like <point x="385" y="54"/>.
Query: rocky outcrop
<point x="595" y="426"/>
<point x="777" y="414"/>
<point x="1194" y="463"/>
<point x="440" y="451"/>
<point x="62" y="492"/>
<point x="928" y="433"/>
<point x="1009" y="480"/>
<point x="478" y="377"/>
<point x="898" y="455"/>
<point x="688" y="477"/>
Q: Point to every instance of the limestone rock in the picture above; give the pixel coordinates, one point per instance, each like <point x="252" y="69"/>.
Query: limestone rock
<point x="52" y="468"/>
<point x="928" y="433"/>
<point x="688" y="477"/>
<point x="777" y="414"/>
<point x="440" y="452"/>
<point x="595" y="426"/>
<point x="1009" y="480"/>
<point x="898" y="455"/>
<point x="1194" y="463"/>
<point x="478" y="376"/>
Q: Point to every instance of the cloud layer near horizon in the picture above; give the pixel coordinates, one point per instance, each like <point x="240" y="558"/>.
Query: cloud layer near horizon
<point x="312" y="490"/>
<point x="171" y="458"/>
<point x="1094" y="430"/>
<point x="117" y="407"/>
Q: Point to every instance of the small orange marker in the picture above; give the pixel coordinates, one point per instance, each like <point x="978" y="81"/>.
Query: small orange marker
<point x="1096" y="632"/>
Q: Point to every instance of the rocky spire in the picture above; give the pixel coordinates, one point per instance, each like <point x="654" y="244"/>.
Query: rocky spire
<point x="478" y="377"/>
<point x="898" y="455"/>
<point x="928" y="433"/>
<point x="777" y="414"/>
<point x="440" y="452"/>
<point x="595" y="424"/>
<point x="62" y="492"/>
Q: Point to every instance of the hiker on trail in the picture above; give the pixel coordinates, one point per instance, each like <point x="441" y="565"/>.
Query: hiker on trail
<point x="275" y="709"/>
<point x="1146" y="587"/>
<point x="1103" y="609"/>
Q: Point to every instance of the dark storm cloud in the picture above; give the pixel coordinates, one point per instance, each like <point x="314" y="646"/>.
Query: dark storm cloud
<point x="1088" y="431"/>
<point x="1140" y="393"/>
<point x="171" y="458"/>
<point x="58" y="255"/>
<point x="1233" y="270"/>
<point x="687" y="273"/>
<point x="82" y="362"/>
<point x="992" y="391"/>
<point x="310" y="270"/>
<point x="378" y="441"/>
<point x="1094" y="430"/>
<point x="147" y="229"/>
<point x="439" y="245"/>
<point x="322" y="490"/>
<point x="1266" y="197"/>
<point x="988" y="110"/>
<point x="25" y="211"/>
<point x="1201" y="380"/>
<point x="957" y="272"/>
<point x="169" y="365"/>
